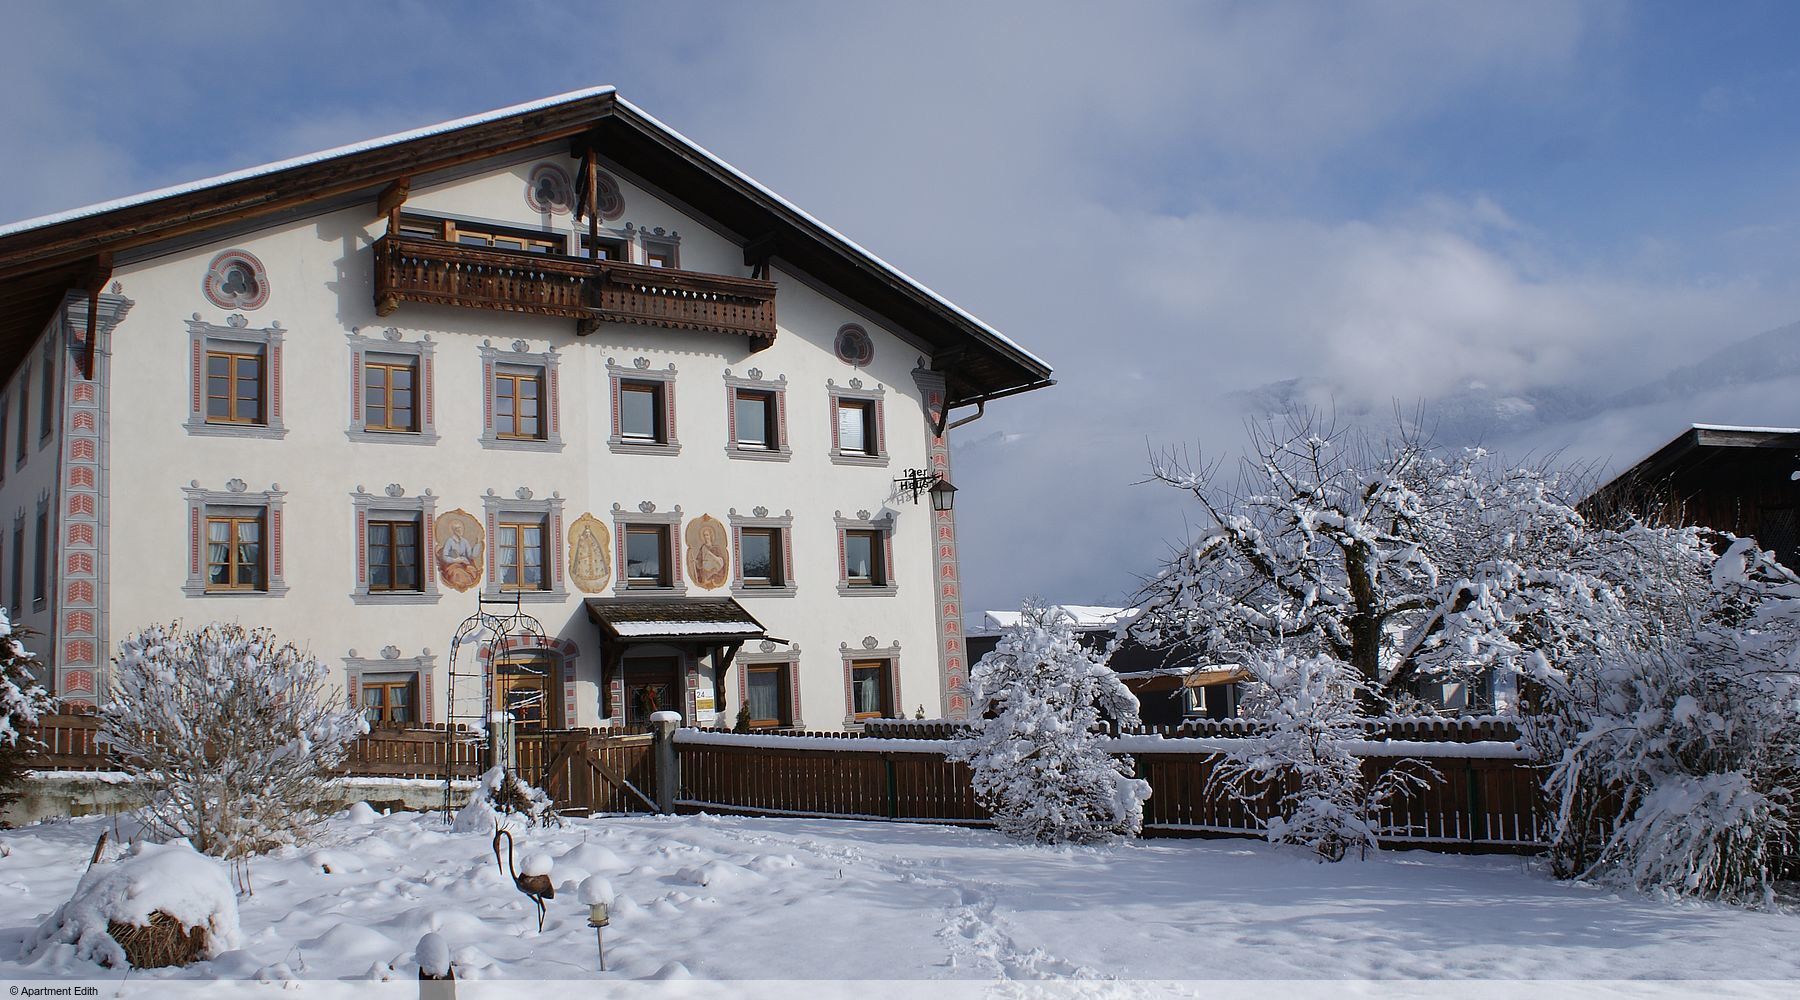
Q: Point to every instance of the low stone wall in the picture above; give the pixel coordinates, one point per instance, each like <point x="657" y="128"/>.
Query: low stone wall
<point x="54" y="794"/>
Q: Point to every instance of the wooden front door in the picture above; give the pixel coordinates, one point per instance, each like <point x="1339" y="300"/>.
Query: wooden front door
<point x="652" y="684"/>
<point x="523" y="687"/>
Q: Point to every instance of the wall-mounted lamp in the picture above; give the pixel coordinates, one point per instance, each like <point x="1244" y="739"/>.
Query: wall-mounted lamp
<point x="919" y="482"/>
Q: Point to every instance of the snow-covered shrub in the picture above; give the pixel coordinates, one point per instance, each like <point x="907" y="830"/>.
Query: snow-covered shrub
<point x="22" y="701"/>
<point x="501" y="794"/>
<point x="1039" y="759"/>
<point x="158" y="905"/>
<point x="233" y="727"/>
<point x="1679" y="762"/>
<point x="1302" y="760"/>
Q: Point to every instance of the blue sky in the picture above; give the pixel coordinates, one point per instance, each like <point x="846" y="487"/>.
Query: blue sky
<point x="1173" y="203"/>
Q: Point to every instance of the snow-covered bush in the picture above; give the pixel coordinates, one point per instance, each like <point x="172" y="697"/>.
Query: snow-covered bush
<point x="1302" y="759"/>
<point x="1677" y="764"/>
<point x="501" y="794"/>
<point x="166" y="893"/>
<point x="1039" y="756"/>
<point x="233" y="727"/>
<point x="22" y="701"/>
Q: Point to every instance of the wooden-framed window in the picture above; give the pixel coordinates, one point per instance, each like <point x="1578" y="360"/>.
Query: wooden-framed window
<point x="390" y="699"/>
<point x="864" y="565"/>
<point x="858" y="432"/>
<point x="520" y="554"/>
<point x="661" y="253"/>
<point x="234" y="551"/>
<point x="616" y="248"/>
<point x="47" y="398"/>
<point x="40" y="590"/>
<point x="390" y="394"/>
<point x="234" y="386"/>
<point x="760" y="553"/>
<point x="753" y="419"/>
<point x="24" y="414"/>
<point x="236" y="379"/>
<point x="479" y="234"/>
<point x="18" y="563"/>
<point x="521" y="387"/>
<point x="871" y="689"/>
<point x="394" y="556"/>
<point x="641" y="413"/>
<point x="856" y="427"/>
<point x="519" y="403"/>
<point x="767" y="695"/>
<point x="648" y="559"/>
<point x="5" y="413"/>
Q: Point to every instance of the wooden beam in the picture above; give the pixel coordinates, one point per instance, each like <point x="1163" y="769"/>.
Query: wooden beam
<point x="392" y="198"/>
<point x="97" y="279"/>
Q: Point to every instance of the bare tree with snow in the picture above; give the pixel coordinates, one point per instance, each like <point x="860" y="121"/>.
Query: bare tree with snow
<point x="22" y="701"/>
<point x="234" y="727"/>
<point x="1039" y="756"/>
<point x="1302" y="758"/>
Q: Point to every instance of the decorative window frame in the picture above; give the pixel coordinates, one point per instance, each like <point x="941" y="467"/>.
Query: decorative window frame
<point x="199" y="500"/>
<point x="49" y="406"/>
<point x="776" y="388"/>
<point x="522" y="356"/>
<point x="394" y="501"/>
<point x="422" y="352"/>
<point x="640" y="371"/>
<point x="871" y="649"/>
<point x="522" y="503"/>
<point x="43" y="561"/>
<point x="23" y="432"/>
<point x="856" y="392"/>
<point x="884" y="527"/>
<point x="391" y="662"/>
<point x="623" y="236"/>
<point x="643" y="236"/>
<point x="235" y="333"/>
<point x="646" y="514"/>
<point x="759" y="517"/>
<point x="769" y="654"/>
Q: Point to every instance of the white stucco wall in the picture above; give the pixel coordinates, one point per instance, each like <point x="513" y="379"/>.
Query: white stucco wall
<point x="320" y="273"/>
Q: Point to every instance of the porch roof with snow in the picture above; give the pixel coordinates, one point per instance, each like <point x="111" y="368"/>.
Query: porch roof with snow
<point x="45" y="260"/>
<point x="680" y="620"/>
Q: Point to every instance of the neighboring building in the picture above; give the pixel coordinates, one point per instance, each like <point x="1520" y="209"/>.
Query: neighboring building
<point x="1735" y="479"/>
<point x="1169" y="690"/>
<point x="556" y="354"/>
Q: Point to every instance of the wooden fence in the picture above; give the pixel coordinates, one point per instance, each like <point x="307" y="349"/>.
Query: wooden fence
<point x="1482" y="797"/>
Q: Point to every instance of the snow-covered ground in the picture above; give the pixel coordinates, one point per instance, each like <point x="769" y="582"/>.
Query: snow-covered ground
<point x="739" y="898"/>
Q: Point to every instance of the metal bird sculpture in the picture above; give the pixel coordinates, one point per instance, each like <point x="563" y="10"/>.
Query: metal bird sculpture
<point x="538" y="887"/>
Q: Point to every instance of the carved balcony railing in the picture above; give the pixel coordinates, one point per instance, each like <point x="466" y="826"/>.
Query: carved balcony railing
<point x="412" y="269"/>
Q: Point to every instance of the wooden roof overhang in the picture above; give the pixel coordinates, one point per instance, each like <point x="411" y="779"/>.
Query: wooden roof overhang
<point x="41" y="264"/>
<point x="1694" y="449"/>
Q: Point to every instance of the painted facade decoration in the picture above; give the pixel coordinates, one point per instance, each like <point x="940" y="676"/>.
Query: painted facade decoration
<point x="460" y="550"/>
<point x="853" y="345"/>
<point x="549" y="191"/>
<point x="236" y="280"/>
<point x="708" y="553"/>
<point x="590" y="555"/>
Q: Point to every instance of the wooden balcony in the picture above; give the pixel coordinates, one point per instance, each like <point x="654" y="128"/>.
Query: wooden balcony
<point x="413" y="269"/>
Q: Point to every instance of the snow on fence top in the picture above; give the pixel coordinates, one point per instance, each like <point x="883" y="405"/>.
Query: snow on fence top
<point x="1429" y="728"/>
<point x="1131" y="743"/>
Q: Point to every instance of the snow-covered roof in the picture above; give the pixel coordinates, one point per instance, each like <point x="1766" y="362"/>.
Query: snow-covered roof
<point x="1087" y="617"/>
<point x="1025" y="369"/>
<point x="637" y="618"/>
<point x="99" y="208"/>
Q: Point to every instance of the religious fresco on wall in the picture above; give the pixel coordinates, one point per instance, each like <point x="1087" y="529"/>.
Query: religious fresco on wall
<point x="708" y="553"/>
<point x="459" y="549"/>
<point x="590" y="554"/>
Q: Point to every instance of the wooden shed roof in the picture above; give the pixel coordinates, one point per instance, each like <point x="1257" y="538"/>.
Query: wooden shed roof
<point x="42" y="260"/>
